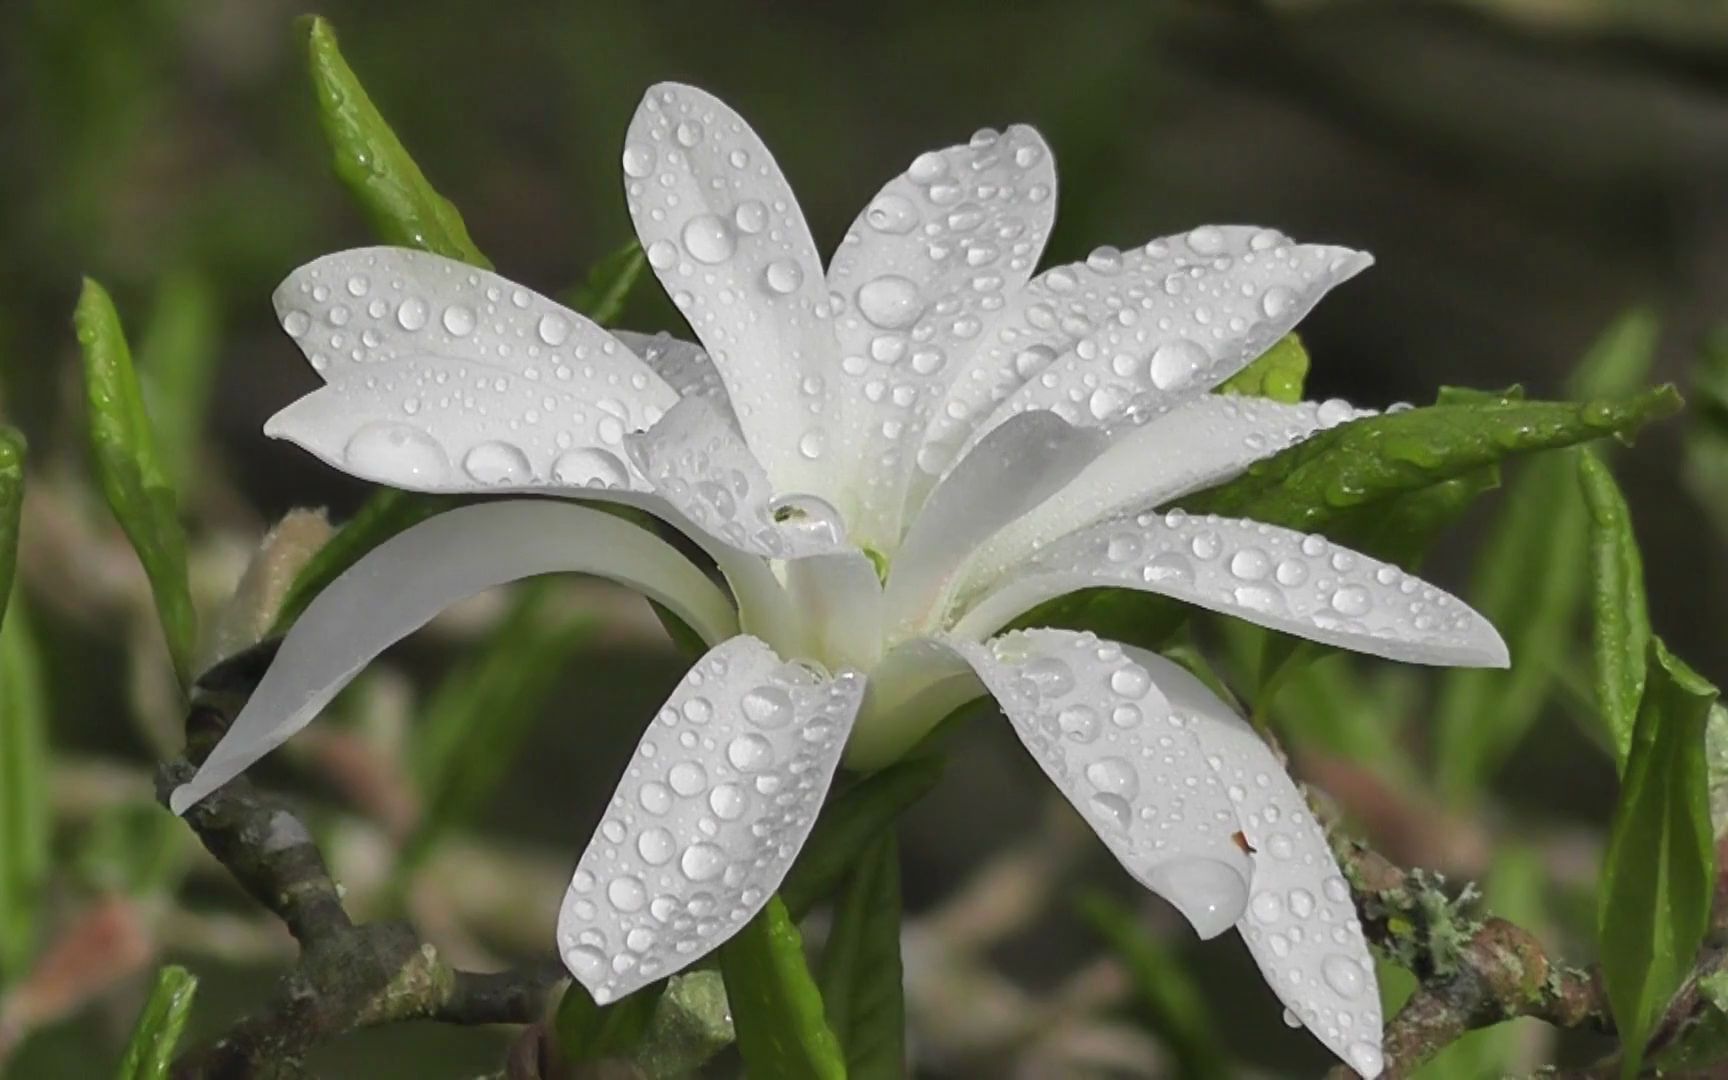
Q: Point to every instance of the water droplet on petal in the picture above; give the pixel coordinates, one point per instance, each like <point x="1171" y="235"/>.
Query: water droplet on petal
<point x="890" y="301"/>
<point x="397" y="453"/>
<point x="768" y="707"/>
<point x="782" y="276"/>
<point x="1352" y="600"/>
<point x="891" y="214"/>
<point x="1175" y="362"/>
<point x="459" y="320"/>
<point x="590" y="466"/>
<point x="411" y="313"/>
<point x="702" y="861"/>
<point x="1210" y="894"/>
<point x="554" y="328"/>
<point x="708" y="240"/>
<point x="638" y="160"/>
<point x="1343" y="975"/>
<point x="498" y="463"/>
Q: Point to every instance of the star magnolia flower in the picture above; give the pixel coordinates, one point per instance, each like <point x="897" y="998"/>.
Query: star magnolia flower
<point x="888" y="462"/>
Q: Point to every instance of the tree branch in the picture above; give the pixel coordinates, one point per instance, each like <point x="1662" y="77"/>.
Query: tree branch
<point x="348" y="975"/>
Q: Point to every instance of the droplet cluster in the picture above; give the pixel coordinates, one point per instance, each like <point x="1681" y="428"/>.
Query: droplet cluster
<point x="698" y="462"/>
<point x="1276" y="577"/>
<point x="713" y="807"/>
<point x="1170" y="319"/>
<point x="925" y="270"/>
<point x="1105" y="735"/>
<point x="723" y="232"/>
<point x="686" y="367"/>
<point x="445" y="377"/>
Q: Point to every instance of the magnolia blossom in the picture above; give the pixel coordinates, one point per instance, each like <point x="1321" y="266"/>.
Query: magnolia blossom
<point x="888" y="462"/>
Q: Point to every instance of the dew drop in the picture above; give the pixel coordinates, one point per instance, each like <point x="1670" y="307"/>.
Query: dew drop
<point x="411" y="313"/>
<point x="1114" y="776"/>
<point x="890" y="301"/>
<point x="782" y="276"/>
<point x="891" y="214"/>
<point x="768" y="707"/>
<point x="498" y="463"/>
<point x="296" y="323"/>
<point x="656" y="846"/>
<point x="1207" y="240"/>
<point x="687" y="778"/>
<point x="727" y="801"/>
<point x="1130" y="681"/>
<point x="590" y="466"/>
<point x="638" y="160"/>
<point x="749" y="752"/>
<point x="750" y="217"/>
<point x="1352" y="600"/>
<point x="1209" y="893"/>
<point x="554" y="328"/>
<point x="1343" y="975"/>
<point x="1175" y="362"/>
<point x="459" y="320"/>
<point x="708" y="240"/>
<point x="1078" y="722"/>
<point x="626" y="893"/>
<point x="702" y="861"/>
<point x="397" y="453"/>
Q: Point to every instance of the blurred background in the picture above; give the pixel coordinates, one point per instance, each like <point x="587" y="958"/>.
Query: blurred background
<point x="1527" y="173"/>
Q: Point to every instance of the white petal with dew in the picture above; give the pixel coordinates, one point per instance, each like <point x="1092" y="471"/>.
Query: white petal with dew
<point x="398" y="587"/>
<point x="920" y="280"/>
<point x="838" y="600"/>
<point x="685" y="366"/>
<point x="1169" y="319"/>
<point x="698" y="462"/>
<point x="1011" y="472"/>
<point x="714" y="806"/>
<point x="1152" y="460"/>
<point x="358" y="311"/>
<point x="1302" y="925"/>
<point x="1100" y="728"/>
<point x="1300" y="584"/>
<point x="724" y="233"/>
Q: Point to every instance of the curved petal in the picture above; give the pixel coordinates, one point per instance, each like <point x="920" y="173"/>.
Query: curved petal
<point x="838" y="600"/>
<point x="919" y="281"/>
<point x="1152" y="460"/>
<point x="402" y="583"/>
<point x="1170" y="319"/>
<point x="1011" y="472"/>
<point x="1297" y="583"/>
<point x="725" y="235"/>
<point x="1102" y="731"/>
<point x="699" y="464"/>
<point x="686" y="367"/>
<point x="915" y="685"/>
<point x="502" y="380"/>
<point x="714" y="806"/>
<point x="1301" y="926"/>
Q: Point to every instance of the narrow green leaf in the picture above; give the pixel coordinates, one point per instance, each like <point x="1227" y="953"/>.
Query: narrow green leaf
<point x="602" y="294"/>
<point x="1659" y="873"/>
<point x="475" y="721"/>
<point x="860" y="976"/>
<point x="1530" y="583"/>
<point x="692" y="1022"/>
<point x="132" y="476"/>
<point x="1279" y="373"/>
<point x="1171" y="1003"/>
<point x="12" y="452"/>
<point x="177" y="365"/>
<point x="589" y="1032"/>
<point x="1619" y="360"/>
<point x="372" y="163"/>
<point x="133" y="849"/>
<point x="1620" y="634"/>
<point x="157" y="1032"/>
<point x="387" y="512"/>
<point x="775" y="1004"/>
<point x="1706" y="452"/>
<point x="1363" y="463"/>
<point x="852" y="822"/>
<point x="25" y="819"/>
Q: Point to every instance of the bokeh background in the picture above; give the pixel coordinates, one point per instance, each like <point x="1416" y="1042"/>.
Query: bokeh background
<point x="1525" y="171"/>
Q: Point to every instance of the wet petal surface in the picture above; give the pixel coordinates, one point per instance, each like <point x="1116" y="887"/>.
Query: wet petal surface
<point x="714" y="806"/>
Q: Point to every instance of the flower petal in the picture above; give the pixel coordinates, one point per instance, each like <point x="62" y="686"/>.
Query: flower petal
<point x="725" y="235"/>
<point x="1152" y="460"/>
<point x="398" y="587"/>
<point x="920" y="279"/>
<point x="1011" y="472"/>
<point x="1301" y="926"/>
<point x="1102" y="731"/>
<point x="1170" y="319"/>
<point x="714" y="806"/>
<point x="839" y="607"/>
<point x="1299" y="584"/>
<point x="697" y="461"/>
<point x="685" y="366"/>
<point x="915" y="685"/>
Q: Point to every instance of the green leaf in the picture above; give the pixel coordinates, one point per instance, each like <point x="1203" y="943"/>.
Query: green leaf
<point x="133" y="849"/>
<point x="132" y="476"/>
<point x="1620" y="358"/>
<point x="1659" y="873"/>
<point x="602" y="294"/>
<point x="850" y="823"/>
<point x="860" y="975"/>
<point x="157" y="1032"/>
<point x="1620" y="634"/>
<point x="1366" y="462"/>
<point x="775" y="1004"/>
<point x="386" y="513"/>
<point x="177" y="363"/>
<point x="372" y="163"/>
<point x="1169" y="1000"/>
<point x="12" y="453"/>
<point x="590" y="1032"/>
<point x="692" y="1022"/>
<point x="474" y="723"/>
<point x="1530" y="584"/>
<point x="25" y="819"/>
<point x="1279" y="373"/>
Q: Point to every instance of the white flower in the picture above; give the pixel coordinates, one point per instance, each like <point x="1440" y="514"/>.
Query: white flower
<point x="889" y="462"/>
